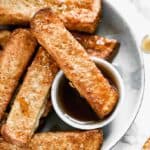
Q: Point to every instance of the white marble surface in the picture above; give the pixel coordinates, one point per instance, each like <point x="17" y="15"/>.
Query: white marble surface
<point x="140" y="24"/>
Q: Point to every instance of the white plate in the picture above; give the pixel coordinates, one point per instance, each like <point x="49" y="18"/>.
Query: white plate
<point x="130" y="64"/>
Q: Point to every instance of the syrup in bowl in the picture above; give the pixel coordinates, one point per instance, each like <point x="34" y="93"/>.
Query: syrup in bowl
<point x="74" y="105"/>
<point x="74" y="109"/>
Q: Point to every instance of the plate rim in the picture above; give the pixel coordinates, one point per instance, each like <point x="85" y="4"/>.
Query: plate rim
<point x="141" y="94"/>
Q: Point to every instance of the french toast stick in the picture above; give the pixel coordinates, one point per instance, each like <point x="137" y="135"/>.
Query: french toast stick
<point x="4" y="36"/>
<point x="75" y="62"/>
<point x="97" y="46"/>
<point x="83" y="140"/>
<point x="30" y="101"/>
<point x="80" y="15"/>
<point x="74" y="140"/>
<point x="13" y="62"/>
<point x="94" y="45"/>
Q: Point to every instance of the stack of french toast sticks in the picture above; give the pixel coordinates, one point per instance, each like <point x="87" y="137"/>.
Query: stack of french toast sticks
<point x="53" y="35"/>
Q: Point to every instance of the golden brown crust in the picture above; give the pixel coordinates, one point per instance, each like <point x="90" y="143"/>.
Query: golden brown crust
<point x="74" y="61"/>
<point x="7" y="146"/>
<point x="86" y="140"/>
<point x="81" y="15"/>
<point x="74" y="140"/>
<point x="96" y="45"/>
<point x="13" y="62"/>
<point x="30" y="101"/>
<point x="4" y="36"/>
<point x="146" y="145"/>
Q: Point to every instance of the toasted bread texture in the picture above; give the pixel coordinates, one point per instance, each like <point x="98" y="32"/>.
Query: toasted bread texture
<point x="81" y="15"/>
<point x="31" y="100"/>
<point x="13" y="62"/>
<point x="97" y="46"/>
<point x="4" y="36"/>
<point x="7" y="146"/>
<point x="83" y="140"/>
<point x="75" y="62"/>
<point x="73" y="140"/>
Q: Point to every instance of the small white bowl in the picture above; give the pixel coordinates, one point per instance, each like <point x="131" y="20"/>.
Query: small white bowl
<point x="112" y="73"/>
